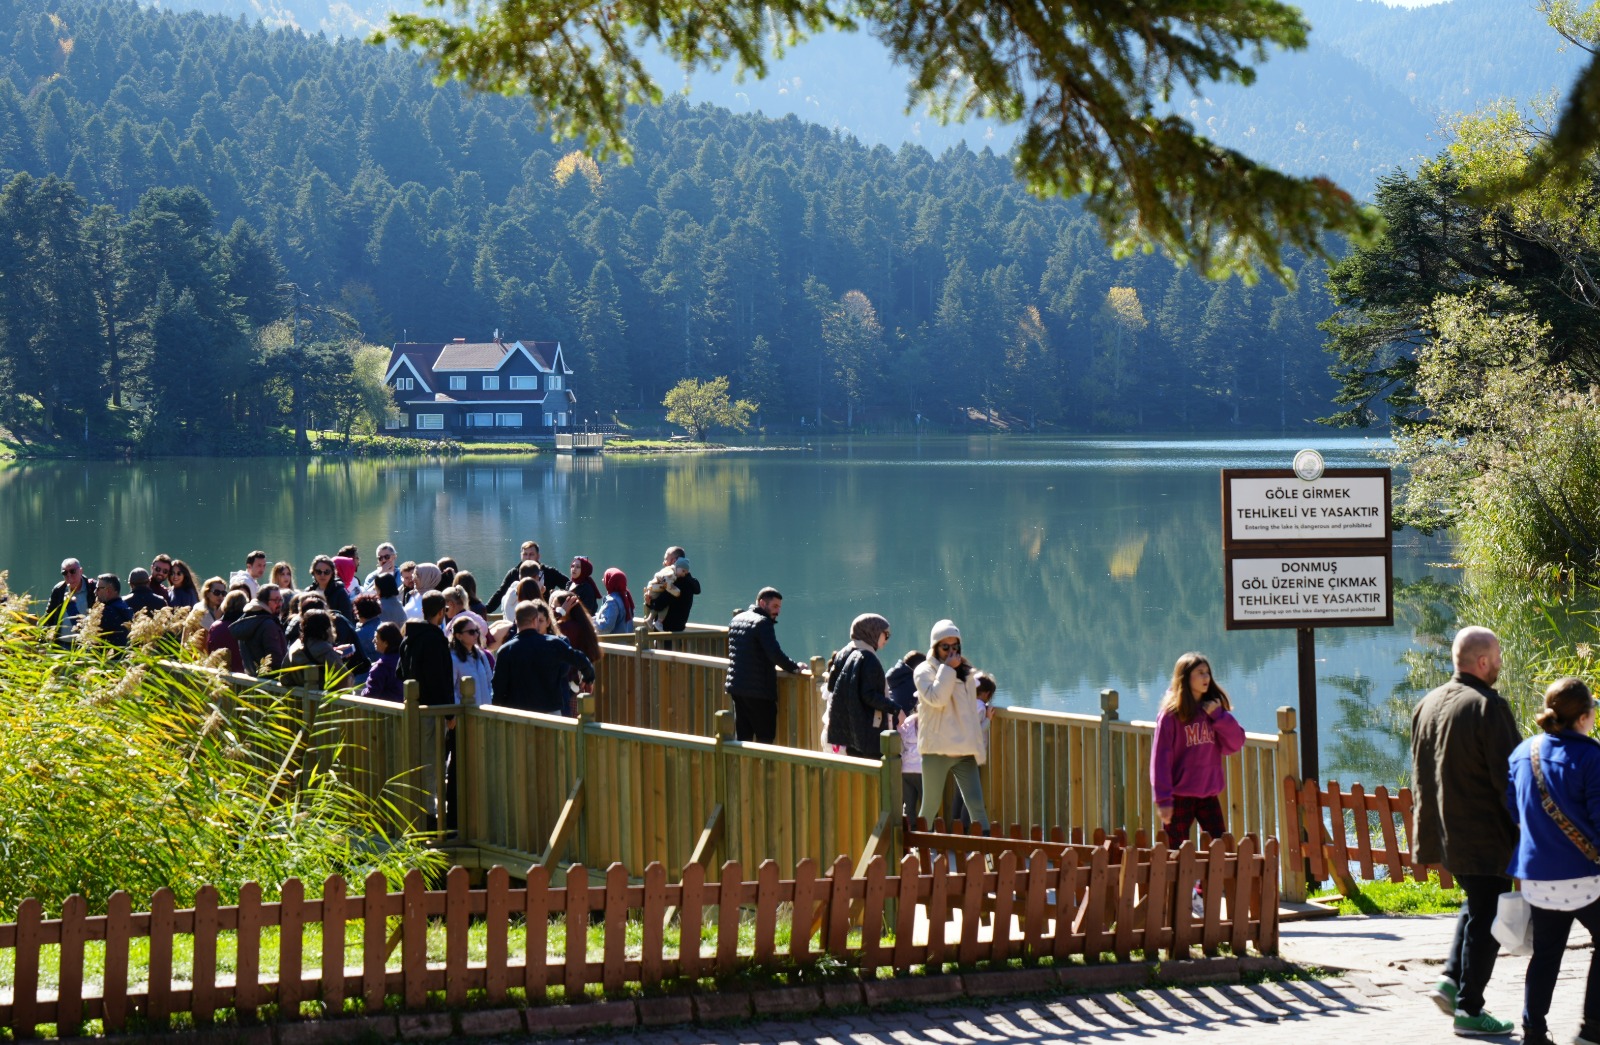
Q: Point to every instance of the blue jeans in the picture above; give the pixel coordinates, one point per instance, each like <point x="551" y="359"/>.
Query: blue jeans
<point x="1550" y="929"/>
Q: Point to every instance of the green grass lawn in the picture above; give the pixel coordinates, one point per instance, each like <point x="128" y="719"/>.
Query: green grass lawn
<point x="1405" y="897"/>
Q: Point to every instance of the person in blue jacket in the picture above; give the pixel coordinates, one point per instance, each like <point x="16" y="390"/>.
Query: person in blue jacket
<point x="1558" y="856"/>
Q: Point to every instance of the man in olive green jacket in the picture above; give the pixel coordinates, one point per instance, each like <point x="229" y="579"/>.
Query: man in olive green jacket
<point x="1462" y="736"/>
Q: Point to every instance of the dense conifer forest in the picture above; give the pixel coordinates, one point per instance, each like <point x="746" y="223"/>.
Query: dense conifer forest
<point x="204" y="220"/>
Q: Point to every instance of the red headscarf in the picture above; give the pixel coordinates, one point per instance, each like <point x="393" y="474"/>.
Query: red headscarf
<point x="617" y="584"/>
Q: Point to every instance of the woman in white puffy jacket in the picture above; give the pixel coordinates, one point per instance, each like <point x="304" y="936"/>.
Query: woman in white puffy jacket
<point x="950" y="732"/>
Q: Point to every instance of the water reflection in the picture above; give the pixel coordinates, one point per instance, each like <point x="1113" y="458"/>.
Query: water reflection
<point x="1070" y="565"/>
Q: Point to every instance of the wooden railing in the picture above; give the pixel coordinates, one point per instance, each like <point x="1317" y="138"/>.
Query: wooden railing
<point x="651" y="745"/>
<point x="674" y="681"/>
<point x="1086" y="906"/>
<point x="1342" y="834"/>
<point x="1046" y="768"/>
<point x="544" y="789"/>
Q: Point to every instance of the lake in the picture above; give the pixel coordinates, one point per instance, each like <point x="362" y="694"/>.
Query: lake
<point x="1071" y="565"/>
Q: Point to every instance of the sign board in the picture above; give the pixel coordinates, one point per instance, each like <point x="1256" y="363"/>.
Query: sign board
<point x="1274" y="506"/>
<point x="1346" y="587"/>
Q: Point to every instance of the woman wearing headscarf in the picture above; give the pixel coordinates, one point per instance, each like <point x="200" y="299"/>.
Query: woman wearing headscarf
<point x="858" y="700"/>
<point x="583" y="585"/>
<point x="616" y="612"/>
<point x="425" y="578"/>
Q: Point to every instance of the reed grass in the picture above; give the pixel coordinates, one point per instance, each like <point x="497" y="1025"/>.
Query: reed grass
<point x="114" y="775"/>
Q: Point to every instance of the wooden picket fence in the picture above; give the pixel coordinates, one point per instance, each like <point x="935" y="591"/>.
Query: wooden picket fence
<point x="1036" y="908"/>
<point x="1333" y="834"/>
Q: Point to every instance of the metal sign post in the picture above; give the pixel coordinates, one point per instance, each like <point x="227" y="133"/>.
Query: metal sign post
<point x="1307" y="548"/>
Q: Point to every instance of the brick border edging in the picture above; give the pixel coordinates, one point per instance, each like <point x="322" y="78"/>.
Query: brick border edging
<point x="711" y="1006"/>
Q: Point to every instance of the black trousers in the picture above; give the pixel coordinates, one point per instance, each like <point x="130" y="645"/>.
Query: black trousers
<point x="1473" y="952"/>
<point x="755" y="719"/>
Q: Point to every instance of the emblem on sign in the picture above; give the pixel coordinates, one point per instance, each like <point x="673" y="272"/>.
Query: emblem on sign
<point x="1308" y="465"/>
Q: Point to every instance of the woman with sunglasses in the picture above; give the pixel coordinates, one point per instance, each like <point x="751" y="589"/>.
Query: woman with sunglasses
<point x="325" y="583"/>
<point x="181" y="591"/>
<point x="950" y="729"/>
<point x="469" y="660"/>
<point x="212" y="593"/>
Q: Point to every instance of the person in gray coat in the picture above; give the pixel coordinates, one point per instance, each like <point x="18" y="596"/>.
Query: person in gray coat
<point x="1462" y="737"/>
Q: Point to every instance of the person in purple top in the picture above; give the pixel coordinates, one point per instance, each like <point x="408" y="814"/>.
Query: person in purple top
<point x="1195" y="731"/>
<point x="383" y="681"/>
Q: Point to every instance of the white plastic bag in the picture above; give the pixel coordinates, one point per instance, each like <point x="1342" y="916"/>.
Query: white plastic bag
<point x="1513" y="927"/>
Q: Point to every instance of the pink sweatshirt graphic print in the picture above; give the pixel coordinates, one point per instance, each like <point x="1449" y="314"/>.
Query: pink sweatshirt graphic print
<point x="1187" y="759"/>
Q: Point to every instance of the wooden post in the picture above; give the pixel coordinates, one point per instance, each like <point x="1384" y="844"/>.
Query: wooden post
<point x="641" y="699"/>
<point x="586" y="710"/>
<point x="466" y="754"/>
<point x="1306" y="654"/>
<point x="1111" y="782"/>
<point x="809" y="727"/>
<point x="1292" y="862"/>
<point x="891" y="796"/>
<point x="721" y="777"/>
<point x="411" y="747"/>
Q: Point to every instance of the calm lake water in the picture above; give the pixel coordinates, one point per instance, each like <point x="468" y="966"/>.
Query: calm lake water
<point x="1071" y="565"/>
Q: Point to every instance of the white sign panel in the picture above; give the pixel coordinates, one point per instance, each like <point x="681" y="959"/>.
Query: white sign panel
<point x="1334" y="508"/>
<point x="1297" y="587"/>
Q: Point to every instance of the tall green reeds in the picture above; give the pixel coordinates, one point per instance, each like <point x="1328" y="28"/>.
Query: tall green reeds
<point x="116" y="774"/>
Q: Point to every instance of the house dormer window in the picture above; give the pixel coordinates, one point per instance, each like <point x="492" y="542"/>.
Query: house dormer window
<point x="404" y="384"/>
<point x="530" y="383"/>
<point x="557" y="382"/>
<point x="491" y="384"/>
<point x="458" y="384"/>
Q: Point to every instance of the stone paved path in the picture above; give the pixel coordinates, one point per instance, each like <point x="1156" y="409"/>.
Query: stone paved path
<point x="1376" y="999"/>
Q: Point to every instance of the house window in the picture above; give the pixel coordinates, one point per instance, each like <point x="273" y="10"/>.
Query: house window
<point x="404" y="384"/>
<point x="508" y="420"/>
<point x="549" y="420"/>
<point x="399" y="421"/>
<point x="526" y="382"/>
<point x="458" y="384"/>
<point x="561" y="419"/>
<point x="430" y="422"/>
<point x="491" y="384"/>
<point x="480" y="420"/>
<point x="556" y="383"/>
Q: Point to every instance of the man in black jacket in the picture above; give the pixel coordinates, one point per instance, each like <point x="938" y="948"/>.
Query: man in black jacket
<point x="675" y="608"/>
<point x="753" y="656"/>
<point x="262" y="646"/>
<point x="1462" y="736"/>
<point x="143" y="597"/>
<point x="70" y="599"/>
<point x="552" y="577"/>
<point x="531" y="670"/>
<point x="115" y="616"/>
<point x="425" y="653"/>
<point x="425" y="656"/>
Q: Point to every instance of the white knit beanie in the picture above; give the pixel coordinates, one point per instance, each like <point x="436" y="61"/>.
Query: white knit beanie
<point x="945" y="629"/>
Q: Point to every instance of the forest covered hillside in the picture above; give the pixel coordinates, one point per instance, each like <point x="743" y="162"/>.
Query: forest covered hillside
<point x="865" y="285"/>
<point x="1368" y="96"/>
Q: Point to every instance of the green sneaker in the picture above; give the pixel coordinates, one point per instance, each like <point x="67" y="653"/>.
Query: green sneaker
<point x="1482" y="1025"/>
<point x="1444" y="995"/>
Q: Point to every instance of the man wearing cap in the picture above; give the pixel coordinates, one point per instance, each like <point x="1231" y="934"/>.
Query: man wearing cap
<point x="675" y="609"/>
<point x="141" y="597"/>
<point x="753" y="656"/>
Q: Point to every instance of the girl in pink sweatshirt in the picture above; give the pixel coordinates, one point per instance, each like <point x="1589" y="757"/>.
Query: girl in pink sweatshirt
<point x="1194" y="733"/>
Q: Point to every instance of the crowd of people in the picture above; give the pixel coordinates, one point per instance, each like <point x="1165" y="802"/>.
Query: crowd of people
<point x="400" y="621"/>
